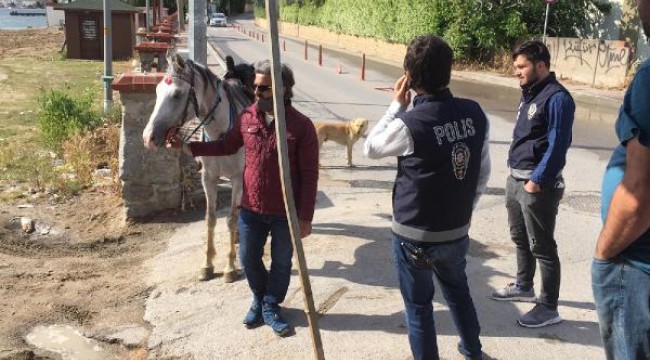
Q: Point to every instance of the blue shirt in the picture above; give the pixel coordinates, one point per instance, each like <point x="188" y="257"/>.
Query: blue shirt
<point x="633" y="121"/>
<point x="560" y="121"/>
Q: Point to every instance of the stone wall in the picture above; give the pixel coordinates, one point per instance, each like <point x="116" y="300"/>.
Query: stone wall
<point x="150" y="178"/>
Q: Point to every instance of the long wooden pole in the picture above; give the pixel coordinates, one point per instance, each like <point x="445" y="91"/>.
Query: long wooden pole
<point x="281" y="134"/>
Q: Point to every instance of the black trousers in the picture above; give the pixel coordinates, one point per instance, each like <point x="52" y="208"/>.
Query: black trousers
<point x="531" y="218"/>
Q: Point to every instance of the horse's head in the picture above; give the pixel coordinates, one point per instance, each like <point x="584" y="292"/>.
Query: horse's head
<point x="191" y="91"/>
<point x="175" y="101"/>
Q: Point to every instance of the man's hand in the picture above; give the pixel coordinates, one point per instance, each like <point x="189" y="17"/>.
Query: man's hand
<point x="401" y="93"/>
<point x="305" y="228"/>
<point x="175" y="142"/>
<point x="531" y="187"/>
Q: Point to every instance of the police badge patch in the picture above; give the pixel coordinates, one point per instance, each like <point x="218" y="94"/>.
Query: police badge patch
<point x="532" y="109"/>
<point x="460" y="159"/>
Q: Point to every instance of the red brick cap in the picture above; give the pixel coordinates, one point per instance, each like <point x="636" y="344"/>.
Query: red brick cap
<point x="137" y="83"/>
<point x="162" y="29"/>
<point x="157" y="47"/>
<point x="165" y="37"/>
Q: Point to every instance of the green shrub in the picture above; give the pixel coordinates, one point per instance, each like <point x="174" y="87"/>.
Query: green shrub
<point x="62" y="114"/>
<point x="476" y="29"/>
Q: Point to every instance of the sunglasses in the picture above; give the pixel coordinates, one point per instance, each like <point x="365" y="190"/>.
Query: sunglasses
<point x="262" y="88"/>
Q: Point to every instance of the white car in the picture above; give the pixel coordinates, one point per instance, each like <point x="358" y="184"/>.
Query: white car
<point x="218" y="19"/>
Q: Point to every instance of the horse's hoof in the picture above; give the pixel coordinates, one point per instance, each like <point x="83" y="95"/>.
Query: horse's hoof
<point x="207" y="273"/>
<point x="230" y="277"/>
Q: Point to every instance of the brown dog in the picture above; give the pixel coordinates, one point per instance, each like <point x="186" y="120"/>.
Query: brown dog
<point x="344" y="133"/>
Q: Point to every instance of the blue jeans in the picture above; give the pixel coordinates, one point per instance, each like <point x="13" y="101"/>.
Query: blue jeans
<point x="447" y="263"/>
<point x="622" y="296"/>
<point x="269" y="287"/>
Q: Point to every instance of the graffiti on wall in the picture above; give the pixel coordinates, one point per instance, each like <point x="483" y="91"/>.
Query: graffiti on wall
<point x="612" y="57"/>
<point x="579" y="50"/>
<point x="595" y="62"/>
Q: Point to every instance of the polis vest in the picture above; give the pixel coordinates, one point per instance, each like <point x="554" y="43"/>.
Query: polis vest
<point x="435" y="186"/>
<point x="530" y="136"/>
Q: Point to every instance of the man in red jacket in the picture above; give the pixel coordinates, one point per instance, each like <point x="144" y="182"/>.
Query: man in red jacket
<point x="262" y="210"/>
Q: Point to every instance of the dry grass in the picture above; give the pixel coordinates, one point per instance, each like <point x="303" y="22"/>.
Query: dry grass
<point x="501" y="64"/>
<point x="93" y="150"/>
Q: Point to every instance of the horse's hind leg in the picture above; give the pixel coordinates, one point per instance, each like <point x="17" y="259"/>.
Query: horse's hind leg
<point x="210" y="188"/>
<point x="230" y="270"/>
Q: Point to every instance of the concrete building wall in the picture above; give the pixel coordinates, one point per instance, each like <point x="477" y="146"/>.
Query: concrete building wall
<point x="55" y="17"/>
<point x="623" y="24"/>
<point x="599" y="63"/>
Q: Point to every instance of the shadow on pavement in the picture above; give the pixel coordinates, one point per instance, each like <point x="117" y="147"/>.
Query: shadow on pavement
<point x="372" y="266"/>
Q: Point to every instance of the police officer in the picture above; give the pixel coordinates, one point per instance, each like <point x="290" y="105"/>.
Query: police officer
<point x="540" y="141"/>
<point x="443" y="166"/>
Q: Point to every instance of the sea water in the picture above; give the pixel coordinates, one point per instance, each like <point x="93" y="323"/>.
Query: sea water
<point x="12" y="22"/>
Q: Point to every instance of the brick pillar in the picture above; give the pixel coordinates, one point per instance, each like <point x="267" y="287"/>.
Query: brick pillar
<point x="150" y="178"/>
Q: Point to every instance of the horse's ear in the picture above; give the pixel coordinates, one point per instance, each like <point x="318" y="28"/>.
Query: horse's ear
<point x="176" y="61"/>
<point x="230" y="63"/>
<point x="170" y="55"/>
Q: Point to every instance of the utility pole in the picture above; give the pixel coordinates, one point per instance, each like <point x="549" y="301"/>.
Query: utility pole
<point x="285" y="177"/>
<point x="181" y="15"/>
<point x="548" y="5"/>
<point x="108" y="57"/>
<point x="148" y="17"/>
<point x="197" y="37"/>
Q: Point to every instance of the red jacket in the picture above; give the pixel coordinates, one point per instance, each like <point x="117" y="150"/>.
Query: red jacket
<point x="262" y="185"/>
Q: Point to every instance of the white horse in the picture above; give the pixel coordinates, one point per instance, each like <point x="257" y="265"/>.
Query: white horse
<point x="190" y="91"/>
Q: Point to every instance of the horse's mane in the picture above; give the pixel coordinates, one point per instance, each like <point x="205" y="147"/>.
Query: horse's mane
<point x="240" y="98"/>
<point x="232" y="83"/>
<point x="243" y="72"/>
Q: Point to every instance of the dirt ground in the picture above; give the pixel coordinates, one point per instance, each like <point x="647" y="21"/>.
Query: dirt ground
<point x="34" y="42"/>
<point x="82" y="264"/>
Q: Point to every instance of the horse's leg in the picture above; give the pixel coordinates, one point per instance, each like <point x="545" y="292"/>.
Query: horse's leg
<point x="230" y="270"/>
<point x="210" y="188"/>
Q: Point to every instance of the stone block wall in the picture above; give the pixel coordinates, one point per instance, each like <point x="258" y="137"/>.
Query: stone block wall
<point x="150" y="178"/>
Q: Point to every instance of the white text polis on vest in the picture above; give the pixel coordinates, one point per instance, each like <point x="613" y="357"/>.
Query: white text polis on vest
<point x="454" y="130"/>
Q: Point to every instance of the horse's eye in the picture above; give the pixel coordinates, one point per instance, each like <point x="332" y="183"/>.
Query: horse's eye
<point x="176" y="95"/>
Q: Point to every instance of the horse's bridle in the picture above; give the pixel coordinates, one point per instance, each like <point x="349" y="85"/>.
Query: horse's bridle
<point x="192" y="98"/>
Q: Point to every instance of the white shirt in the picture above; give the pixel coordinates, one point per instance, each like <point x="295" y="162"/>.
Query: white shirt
<point x="391" y="137"/>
